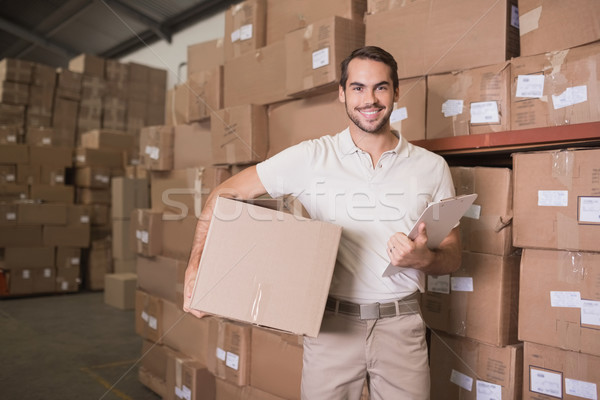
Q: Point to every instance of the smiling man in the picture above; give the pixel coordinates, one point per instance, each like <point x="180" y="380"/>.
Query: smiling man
<point x="373" y="183"/>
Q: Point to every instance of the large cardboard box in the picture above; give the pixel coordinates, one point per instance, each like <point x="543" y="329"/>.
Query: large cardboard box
<point x="31" y="213"/>
<point x="558" y="88"/>
<point x="108" y="139"/>
<point x="294" y="121"/>
<point x="479" y="301"/>
<point x="429" y="37"/>
<point x="85" y="157"/>
<point x="239" y="135"/>
<point x="487" y="226"/>
<point x="29" y="257"/>
<point x="31" y="280"/>
<point x="469" y="102"/>
<point x="119" y="290"/>
<point x="546" y="25"/>
<point x="276" y="362"/>
<point x="559" y="300"/>
<point x="156" y="147"/>
<point x="162" y="277"/>
<point x="464" y="369"/>
<point x="245" y="25"/>
<point x="148" y="316"/>
<point x="192" y="145"/>
<point x="14" y="93"/>
<point x="287" y="16"/>
<point x="285" y="260"/>
<point x="230" y="351"/>
<point x="556" y="200"/>
<point x="188" y="379"/>
<point x="21" y="235"/>
<point x="313" y="54"/>
<point x="257" y="77"/>
<point x="553" y="373"/>
<point x="205" y="56"/>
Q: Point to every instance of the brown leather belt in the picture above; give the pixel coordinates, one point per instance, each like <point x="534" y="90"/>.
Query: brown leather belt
<point x="407" y="305"/>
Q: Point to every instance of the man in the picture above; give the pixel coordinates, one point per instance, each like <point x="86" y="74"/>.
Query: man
<point x="375" y="184"/>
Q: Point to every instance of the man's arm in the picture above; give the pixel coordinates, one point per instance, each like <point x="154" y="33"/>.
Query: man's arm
<point x="244" y="185"/>
<point x="405" y="252"/>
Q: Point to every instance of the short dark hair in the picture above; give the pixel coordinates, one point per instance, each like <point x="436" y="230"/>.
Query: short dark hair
<point x="370" y="53"/>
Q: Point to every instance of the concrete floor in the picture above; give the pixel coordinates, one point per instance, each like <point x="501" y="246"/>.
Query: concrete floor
<point x="68" y="347"/>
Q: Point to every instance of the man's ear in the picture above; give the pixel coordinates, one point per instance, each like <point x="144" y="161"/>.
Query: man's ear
<point x="396" y="94"/>
<point x="341" y="94"/>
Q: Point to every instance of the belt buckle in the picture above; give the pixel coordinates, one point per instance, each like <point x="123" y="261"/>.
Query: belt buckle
<point x="369" y="311"/>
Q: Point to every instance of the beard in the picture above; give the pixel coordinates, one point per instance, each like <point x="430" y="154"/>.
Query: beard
<point x="356" y="120"/>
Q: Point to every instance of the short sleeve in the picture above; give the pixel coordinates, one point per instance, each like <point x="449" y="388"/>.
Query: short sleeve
<point x="286" y="172"/>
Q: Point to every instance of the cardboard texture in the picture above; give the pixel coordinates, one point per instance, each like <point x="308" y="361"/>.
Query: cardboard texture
<point x="245" y="25"/>
<point x="64" y="119"/>
<point x="239" y="135"/>
<point x="14" y="93"/>
<point x="276" y="363"/>
<point x="52" y="193"/>
<point x="146" y="227"/>
<point x="43" y="75"/>
<point x="231" y="351"/>
<point x="88" y="65"/>
<point x="428" y="37"/>
<point x="180" y="192"/>
<point x="487" y="226"/>
<point x="261" y="291"/>
<point x="114" y="113"/>
<point x="108" y="139"/>
<point x="29" y="257"/>
<point x="67" y="279"/>
<point x="51" y="155"/>
<point x="8" y="214"/>
<point x="479" y="301"/>
<point x="41" y="100"/>
<point x="13" y="116"/>
<point x="192" y="145"/>
<point x="187" y="334"/>
<point x="257" y="77"/>
<point x="187" y="378"/>
<point x="284" y="17"/>
<point x="14" y="70"/>
<point x="156" y="147"/>
<point x="25" y="236"/>
<point x="100" y="214"/>
<point x="122" y="246"/>
<point x="40" y="136"/>
<point x="31" y="213"/>
<point x="567" y="92"/>
<point x="469" y="102"/>
<point x="294" y="121"/>
<point x="68" y="85"/>
<point x="116" y="71"/>
<point x="127" y="194"/>
<point x="549" y="279"/>
<point x="8" y="134"/>
<point x="178" y="235"/>
<point x="205" y="93"/>
<point x="148" y="316"/>
<point x="119" y="290"/>
<point x="162" y="277"/>
<point x="89" y="196"/>
<point x="553" y="25"/>
<point x="409" y="115"/>
<point x="14" y="153"/>
<point x="85" y="157"/>
<point x="28" y="280"/>
<point x="556" y="193"/>
<point x="555" y="373"/>
<point x="314" y="54"/>
<point x="465" y="369"/>
<point x="154" y="363"/>
<point x="205" y="55"/>
<point x="93" y="177"/>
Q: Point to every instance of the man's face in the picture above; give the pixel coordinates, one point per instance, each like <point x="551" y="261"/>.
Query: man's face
<point x="369" y="95"/>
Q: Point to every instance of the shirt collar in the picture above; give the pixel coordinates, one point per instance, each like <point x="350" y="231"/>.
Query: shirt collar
<point x="348" y="146"/>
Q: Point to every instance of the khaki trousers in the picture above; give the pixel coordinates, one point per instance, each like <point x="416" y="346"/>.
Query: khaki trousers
<point x="392" y="351"/>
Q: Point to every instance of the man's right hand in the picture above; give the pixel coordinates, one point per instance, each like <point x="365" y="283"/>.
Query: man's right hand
<point x="188" y="289"/>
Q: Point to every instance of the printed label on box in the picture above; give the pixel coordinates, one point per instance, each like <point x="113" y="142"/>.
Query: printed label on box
<point x="545" y="382"/>
<point x="473" y="212"/>
<point x="320" y="58"/>
<point x="530" y="86"/>
<point x="10" y="178"/>
<point x="74" y="261"/>
<point x="11" y="139"/>
<point x="26" y="274"/>
<point x="235" y="36"/>
<point x="553" y="198"/>
<point x="183" y="393"/>
<point x="11" y="216"/>
<point x="438" y="284"/>
<point x="153" y="152"/>
<point x="571" y="96"/>
<point x="246" y="32"/>
<point x="451" y="108"/>
<point x="488" y="391"/>
<point x="565" y="299"/>
<point x="47" y="273"/>
<point x="485" y="112"/>
<point x="589" y="209"/>
<point x="585" y="390"/>
<point x="232" y="360"/>
<point x="399" y="114"/>
<point x="462" y="284"/>
<point x="152" y="322"/>
<point x="47" y="141"/>
<point x="64" y="285"/>
<point x="462" y="380"/>
<point x="84" y="219"/>
<point x="221" y="354"/>
<point x="590" y="312"/>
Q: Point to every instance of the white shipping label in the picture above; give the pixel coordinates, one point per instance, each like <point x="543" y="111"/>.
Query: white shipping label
<point x="10" y="178"/>
<point x="84" y="219"/>
<point x="485" y="112"/>
<point x="144" y="316"/>
<point x="399" y="114"/>
<point x="553" y="198"/>
<point x="473" y="212"/>
<point x="64" y="285"/>
<point x="438" y="284"/>
<point x="235" y="36"/>
<point x="80" y="158"/>
<point x="585" y="390"/>
<point x="565" y="299"/>
<point x="11" y="139"/>
<point x="488" y="391"/>
<point x="74" y="261"/>
<point x="461" y="284"/>
<point x="531" y="86"/>
<point x="246" y="32"/>
<point x="571" y="96"/>
<point x="102" y="178"/>
<point x="589" y="209"/>
<point x="462" y="380"/>
<point x="138" y="234"/>
<point x="11" y="216"/>
<point x="451" y="108"/>
<point x="232" y="360"/>
<point x="26" y="274"/>
<point x="221" y="354"/>
<point x="545" y="382"/>
<point x="514" y="16"/>
<point x="590" y="312"/>
<point x="59" y="179"/>
<point x="47" y="273"/>
<point x="46" y="141"/>
<point x="144" y="235"/>
<point x="183" y="393"/>
<point x="152" y="322"/>
<point x="153" y="152"/>
<point x="320" y="58"/>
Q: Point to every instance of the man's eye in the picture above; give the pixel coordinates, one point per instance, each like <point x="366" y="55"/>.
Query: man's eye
<point x="357" y="88"/>
<point x="382" y="88"/>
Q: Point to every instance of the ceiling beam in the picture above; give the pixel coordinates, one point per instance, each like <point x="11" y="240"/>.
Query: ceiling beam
<point x="26" y="34"/>
<point x="160" y="30"/>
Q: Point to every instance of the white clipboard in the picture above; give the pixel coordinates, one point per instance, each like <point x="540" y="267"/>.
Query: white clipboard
<point x="439" y="217"/>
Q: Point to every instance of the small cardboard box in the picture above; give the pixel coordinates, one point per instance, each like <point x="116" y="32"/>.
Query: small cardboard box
<point x="205" y="56"/>
<point x="230" y="351"/>
<point x="487" y="226"/>
<point x="469" y="102"/>
<point x="285" y="260"/>
<point x="469" y="370"/>
<point x="156" y="147"/>
<point x="119" y="290"/>
<point x="556" y="199"/>
<point x="257" y="77"/>
<point x="239" y="135"/>
<point x="188" y="378"/>
<point x="146" y="227"/>
<point x="559" y="300"/>
<point x="546" y="26"/>
<point x="558" y="88"/>
<point x="550" y="373"/>
<point x="88" y="65"/>
<point x="313" y="54"/>
<point x="479" y="301"/>
<point x="427" y="37"/>
<point x="245" y="25"/>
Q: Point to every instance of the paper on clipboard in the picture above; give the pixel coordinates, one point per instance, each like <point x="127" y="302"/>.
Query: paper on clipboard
<point x="439" y="217"/>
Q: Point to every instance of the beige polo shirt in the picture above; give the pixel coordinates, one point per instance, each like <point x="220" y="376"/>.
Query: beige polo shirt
<point x="336" y="182"/>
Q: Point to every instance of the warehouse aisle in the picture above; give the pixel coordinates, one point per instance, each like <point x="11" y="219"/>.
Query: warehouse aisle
<point x="69" y="347"/>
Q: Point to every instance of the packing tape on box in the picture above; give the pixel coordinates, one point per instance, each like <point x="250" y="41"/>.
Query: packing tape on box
<point x="571" y="267"/>
<point x="566" y="236"/>
<point x="261" y="298"/>
<point x="563" y="167"/>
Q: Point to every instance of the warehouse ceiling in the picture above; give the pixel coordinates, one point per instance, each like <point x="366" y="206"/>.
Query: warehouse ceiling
<point x="53" y="31"/>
